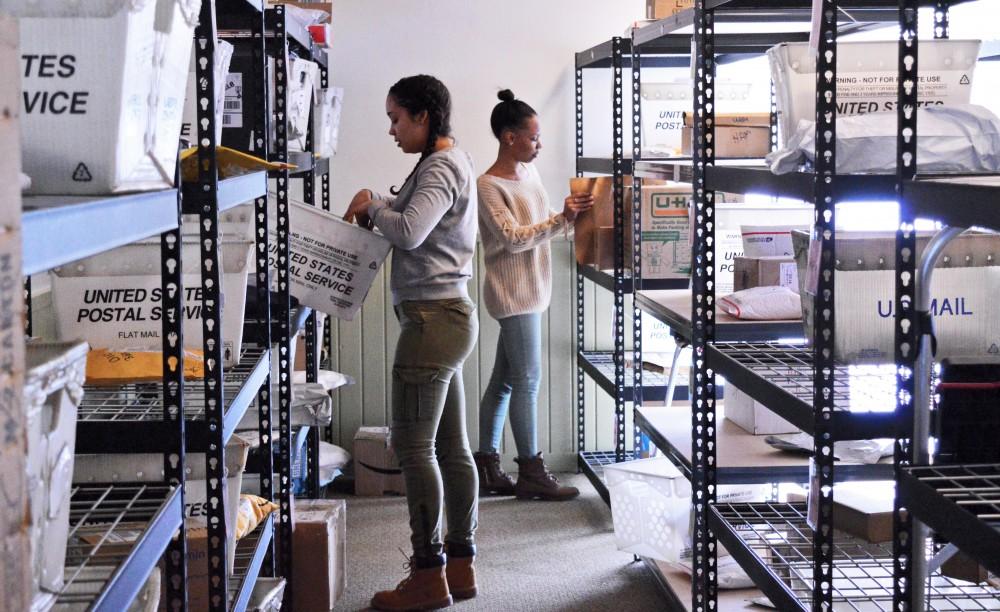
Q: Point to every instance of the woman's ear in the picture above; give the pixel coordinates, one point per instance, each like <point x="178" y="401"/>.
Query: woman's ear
<point x="421" y="117"/>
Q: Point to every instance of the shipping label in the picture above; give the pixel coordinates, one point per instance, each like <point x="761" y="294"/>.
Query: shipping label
<point x="232" y="105"/>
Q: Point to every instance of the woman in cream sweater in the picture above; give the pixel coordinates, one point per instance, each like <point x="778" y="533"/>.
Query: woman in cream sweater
<point x="516" y="225"/>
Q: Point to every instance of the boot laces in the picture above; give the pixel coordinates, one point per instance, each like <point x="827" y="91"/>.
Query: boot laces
<point x="410" y="567"/>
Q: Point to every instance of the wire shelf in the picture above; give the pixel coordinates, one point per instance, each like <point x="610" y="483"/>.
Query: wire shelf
<point x="144" y="401"/>
<point x="249" y="555"/>
<point x="117" y="533"/>
<point x="592" y="464"/>
<point x="780" y="375"/>
<point x="962" y="503"/>
<point x="782" y="543"/>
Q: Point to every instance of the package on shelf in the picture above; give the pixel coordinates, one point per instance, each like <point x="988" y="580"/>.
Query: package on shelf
<point x="736" y="134"/>
<point x="223" y="86"/>
<point x="867" y="78"/>
<point x="660" y="9"/>
<point x="103" y="92"/>
<point x="268" y="595"/>
<point x="769" y="240"/>
<point x="731" y="217"/>
<point x="752" y="416"/>
<point x="10" y="105"/>
<point x="53" y="388"/>
<point x="319" y="553"/>
<point x="326" y="120"/>
<point x="771" y="271"/>
<point x="303" y="79"/>
<point x="332" y="264"/>
<point x="376" y="468"/>
<point x="112" y="299"/>
<point x="666" y="103"/>
<point x="954" y="139"/>
<point x="148" y="467"/>
<point x="966" y="279"/>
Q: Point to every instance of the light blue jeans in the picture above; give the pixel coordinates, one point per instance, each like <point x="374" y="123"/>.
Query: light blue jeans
<point x="513" y="386"/>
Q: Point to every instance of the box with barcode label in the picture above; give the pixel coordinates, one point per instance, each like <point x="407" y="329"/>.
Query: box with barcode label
<point x="189" y="127"/>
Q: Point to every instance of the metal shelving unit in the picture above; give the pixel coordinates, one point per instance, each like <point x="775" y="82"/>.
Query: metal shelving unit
<point x="249" y="561"/>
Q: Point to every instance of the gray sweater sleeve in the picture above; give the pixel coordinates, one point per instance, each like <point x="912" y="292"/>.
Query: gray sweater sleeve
<point x="438" y="183"/>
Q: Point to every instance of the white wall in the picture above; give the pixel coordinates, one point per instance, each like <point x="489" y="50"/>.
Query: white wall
<point x="476" y="49"/>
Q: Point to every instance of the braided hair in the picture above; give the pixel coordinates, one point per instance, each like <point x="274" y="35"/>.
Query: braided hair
<point x="510" y="113"/>
<point x="421" y="93"/>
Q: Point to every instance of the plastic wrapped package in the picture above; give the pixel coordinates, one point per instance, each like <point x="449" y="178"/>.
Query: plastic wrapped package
<point x="964" y="138"/>
<point x="763" y="304"/>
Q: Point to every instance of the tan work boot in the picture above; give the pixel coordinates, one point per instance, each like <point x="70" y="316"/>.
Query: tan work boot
<point x="493" y="480"/>
<point x="461" y="571"/>
<point x="423" y="589"/>
<point x="534" y="481"/>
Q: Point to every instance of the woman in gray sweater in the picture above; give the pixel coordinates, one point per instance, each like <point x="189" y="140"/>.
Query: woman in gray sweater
<point x="431" y="223"/>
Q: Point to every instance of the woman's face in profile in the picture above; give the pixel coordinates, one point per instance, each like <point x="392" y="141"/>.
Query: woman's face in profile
<point x="409" y="132"/>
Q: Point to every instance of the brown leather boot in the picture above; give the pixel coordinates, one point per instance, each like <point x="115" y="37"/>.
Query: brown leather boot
<point x="461" y="571"/>
<point x="534" y="481"/>
<point x="424" y="589"/>
<point x="492" y="479"/>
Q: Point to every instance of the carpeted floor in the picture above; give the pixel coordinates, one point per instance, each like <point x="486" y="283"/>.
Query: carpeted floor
<point x="533" y="556"/>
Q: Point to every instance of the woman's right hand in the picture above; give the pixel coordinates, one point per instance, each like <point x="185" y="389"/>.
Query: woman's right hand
<point x="576" y="204"/>
<point x="357" y="210"/>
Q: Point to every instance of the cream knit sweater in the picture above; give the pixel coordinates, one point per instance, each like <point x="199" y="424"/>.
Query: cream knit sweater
<point x="516" y="224"/>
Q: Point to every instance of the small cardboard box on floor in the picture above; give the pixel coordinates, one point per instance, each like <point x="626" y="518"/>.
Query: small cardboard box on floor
<point x="319" y="553"/>
<point x="332" y="263"/>
<point x="376" y="469"/>
<point x="103" y="92"/>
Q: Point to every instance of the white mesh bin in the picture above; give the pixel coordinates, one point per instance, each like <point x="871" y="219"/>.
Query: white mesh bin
<point x="650" y="505"/>
<point x="53" y="388"/>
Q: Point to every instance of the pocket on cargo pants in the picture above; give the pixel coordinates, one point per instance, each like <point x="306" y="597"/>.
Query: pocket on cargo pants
<point x="418" y="393"/>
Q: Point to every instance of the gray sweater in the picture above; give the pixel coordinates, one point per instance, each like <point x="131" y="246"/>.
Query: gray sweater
<point x="432" y="225"/>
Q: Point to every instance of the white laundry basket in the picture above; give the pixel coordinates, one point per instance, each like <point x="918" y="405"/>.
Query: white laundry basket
<point x="650" y="505"/>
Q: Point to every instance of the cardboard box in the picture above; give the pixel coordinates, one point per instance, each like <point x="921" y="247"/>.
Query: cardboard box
<point x="752" y="416"/>
<point x="778" y="271"/>
<point x="666" y="103"/>
<point x="148" y="467"/>
<point x="964" y="567"/>
<point x="660" y="9"/>
<point x="103" y="92"/>
<point x="867" y="78"/>
<point x="376" y="469"/>
<point x="189" y="128"/>
<point x="863" y="510"/>
<point x="736" y="135"/>
<point x="112" y="300"/>
<point x="10" y="105"/>
<point x="966" y="315"/>
<point x="731" y="217"/>
<point x="53" y="387"/>
<point x="319" y="553"/>
<point x="332" y="263"/>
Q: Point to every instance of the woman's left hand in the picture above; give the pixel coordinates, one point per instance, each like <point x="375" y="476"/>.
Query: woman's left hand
<point x="576" y="204"/>
<point x="357" y="210"/>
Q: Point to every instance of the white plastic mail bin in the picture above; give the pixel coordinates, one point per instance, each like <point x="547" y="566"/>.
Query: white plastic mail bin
<point x="103" y="98"/>
<point x="867" y="77"/>
<point x="650" y="505"/>
<point x="112" y="301"/>
<point x="53" y="388"/>
<point x="267" y="595"/>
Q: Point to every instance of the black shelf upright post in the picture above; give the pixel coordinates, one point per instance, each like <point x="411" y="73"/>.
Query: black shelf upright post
<point x="909" y="563"/>
<point x="265" y="421"/>
<point x="211" y="277"/>
<point x="581" y="405"/>
<point x="279" y="50"/>
<point x="312" y="363"/>
<point x="636" y="263"/>
<point x="324" y="182"/>
<point x="172" y="327"/>
<point x="618" y="178"/>
<point x="821" y="486"/>
<point x="704" y="582"/>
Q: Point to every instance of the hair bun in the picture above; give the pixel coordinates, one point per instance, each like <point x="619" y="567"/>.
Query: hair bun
<point x="506" y="95"/>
